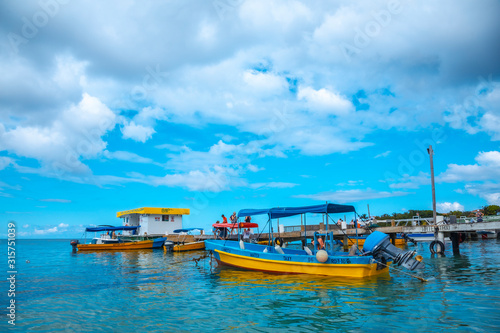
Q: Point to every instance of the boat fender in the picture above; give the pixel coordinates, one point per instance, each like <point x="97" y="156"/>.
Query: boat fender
<point x="279" y="249"/>
<point x="279" y="241"/>
<point x="352" y="250"/>
<point x="265" y="250"/>
<point x="308" y="251"/>
<point x="435" y="249"/>
<point x="322" y="256"/>
<point x="242" y="245"/>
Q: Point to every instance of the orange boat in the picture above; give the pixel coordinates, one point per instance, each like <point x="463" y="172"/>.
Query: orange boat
<point x="131" y="245"/>
<point x="105" y="242"/>
<point x="181" y="246"/>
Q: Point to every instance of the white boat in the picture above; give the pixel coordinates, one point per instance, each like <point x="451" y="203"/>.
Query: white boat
<point x="487" y="234"/>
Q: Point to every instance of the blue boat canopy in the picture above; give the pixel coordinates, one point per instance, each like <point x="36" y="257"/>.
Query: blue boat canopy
<point x="109" y="228"/>
<point x="251" y="212"/>
<point x="275" y="213"/>
<point x="186" y="230"/>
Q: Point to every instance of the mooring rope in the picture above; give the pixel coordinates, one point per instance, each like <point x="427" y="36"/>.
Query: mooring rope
<point x="401" y="271"/>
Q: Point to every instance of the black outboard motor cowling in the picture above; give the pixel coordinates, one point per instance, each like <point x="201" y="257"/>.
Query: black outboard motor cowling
<point x="379" y="245"/>
<point x="74" y="243"/>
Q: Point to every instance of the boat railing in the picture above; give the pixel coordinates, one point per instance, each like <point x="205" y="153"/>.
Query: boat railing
<point x="293" y="228"/>
<point x="312" y="227"/>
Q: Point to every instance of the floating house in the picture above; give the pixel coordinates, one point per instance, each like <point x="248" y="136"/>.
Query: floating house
<point x="153" y="221"/>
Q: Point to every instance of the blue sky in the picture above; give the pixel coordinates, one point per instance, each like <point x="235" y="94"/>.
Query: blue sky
<point x="224" y="105"/>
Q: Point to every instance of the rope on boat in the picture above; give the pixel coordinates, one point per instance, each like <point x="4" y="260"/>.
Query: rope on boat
<point x="196" y="260"/>
<point x="340" y="228"/>
<point x="401" y="271"/>
<point x="258" y="237"/>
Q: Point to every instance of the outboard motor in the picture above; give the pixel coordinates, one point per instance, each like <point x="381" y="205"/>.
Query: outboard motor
<point x="379" y="245"/>
<point x="408" y="238"/>
<point x="74" y="243"/>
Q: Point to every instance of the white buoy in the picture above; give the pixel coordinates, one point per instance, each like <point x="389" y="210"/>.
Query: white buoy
<point x="308" y="251"/>
<point x="279" y="249"/>
<point x="265" y="250"/>
<point x="242" y="245"/>
<point x="322" y="256"/>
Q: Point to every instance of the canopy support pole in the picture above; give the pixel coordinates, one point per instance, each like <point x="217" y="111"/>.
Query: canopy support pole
<point x="270" y="238"/>
<point x="305" y="229"/>
<point x="356" y="223"/>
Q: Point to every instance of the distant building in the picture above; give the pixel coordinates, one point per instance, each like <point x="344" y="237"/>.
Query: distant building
<point x="154" y="221"/>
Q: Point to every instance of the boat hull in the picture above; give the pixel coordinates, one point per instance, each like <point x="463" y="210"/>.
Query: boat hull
<point x="425" y="237"/>
<point x="139" y="245"/>
<point x="192" y="246"/>
<point x="293" y="261"/>
<point x="487" y="234"/>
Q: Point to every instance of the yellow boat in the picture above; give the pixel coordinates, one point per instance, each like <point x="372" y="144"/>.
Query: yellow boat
<point x="139" y="245"/>
<point x="350" y="269"/>
<point x="181" y="246"/>
<point x="373" y="260"/>
<point x="107" y="242"/>
<point x="189" y="246"/>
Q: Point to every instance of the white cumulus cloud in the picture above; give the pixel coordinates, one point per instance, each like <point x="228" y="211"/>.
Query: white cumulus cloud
<point x="137" y="132"/>
<point x="76" y="133"/>
<point x="445" y="207"/>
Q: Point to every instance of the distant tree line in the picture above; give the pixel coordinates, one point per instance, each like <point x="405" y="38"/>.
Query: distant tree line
<point x="487" y="210"/>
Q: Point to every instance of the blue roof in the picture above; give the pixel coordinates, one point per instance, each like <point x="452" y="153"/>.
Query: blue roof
<point x="251" y="212"/>
<point x="96" y="229"/>
<point x="186" y="230"/>
<point x="275" y="213"/>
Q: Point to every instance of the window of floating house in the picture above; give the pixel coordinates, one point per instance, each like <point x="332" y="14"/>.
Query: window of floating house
<point x="164" y="218"/>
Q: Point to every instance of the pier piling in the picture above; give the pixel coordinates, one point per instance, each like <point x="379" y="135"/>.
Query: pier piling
<point x="455" y="241"/>
<point x="393" y="238"/>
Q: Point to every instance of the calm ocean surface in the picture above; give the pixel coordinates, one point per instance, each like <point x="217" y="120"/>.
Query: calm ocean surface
<point x="153" y="291"/>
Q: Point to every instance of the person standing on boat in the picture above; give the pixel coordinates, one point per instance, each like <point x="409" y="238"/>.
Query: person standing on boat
<point x="233" y="218"/>
<point x="248" y="219"/>
<point x="246" y="235"/>
<point x="479" y="216"/>
<point x="224" y="219"/>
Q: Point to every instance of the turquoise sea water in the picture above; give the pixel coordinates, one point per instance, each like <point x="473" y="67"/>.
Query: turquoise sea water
<point x="153" y="291"/>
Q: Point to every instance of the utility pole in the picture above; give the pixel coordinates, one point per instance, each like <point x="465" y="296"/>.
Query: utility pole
<point x="431" y="153"/>
<point x="368" y="205"/>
